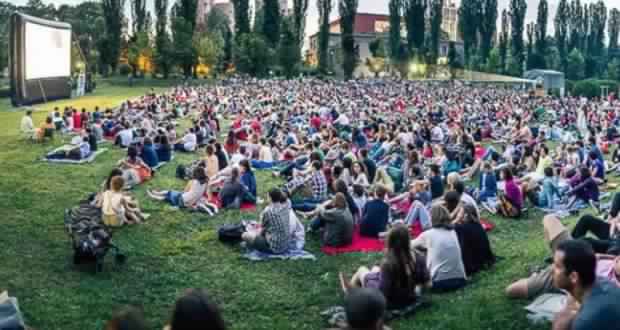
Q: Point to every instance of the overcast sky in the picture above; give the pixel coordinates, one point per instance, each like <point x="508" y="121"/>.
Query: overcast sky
<point x="379" y="7"/>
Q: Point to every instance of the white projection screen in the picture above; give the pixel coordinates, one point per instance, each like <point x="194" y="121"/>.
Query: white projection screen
<point x="48" y="51"/>
<point x="39" y="59"/>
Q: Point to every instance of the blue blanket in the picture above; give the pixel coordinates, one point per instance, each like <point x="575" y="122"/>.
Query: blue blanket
<point x="254" y="255"/>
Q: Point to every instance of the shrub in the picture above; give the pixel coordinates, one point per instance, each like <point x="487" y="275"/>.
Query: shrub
<point x="591" y="88"/>
<point x="124" y="69"/>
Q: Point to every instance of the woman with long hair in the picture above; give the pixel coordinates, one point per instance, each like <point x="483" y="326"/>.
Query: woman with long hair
<point x="399" y="273"/>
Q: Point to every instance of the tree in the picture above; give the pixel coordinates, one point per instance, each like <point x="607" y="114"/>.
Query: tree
<point x="487" y="26"/>
<point x="415" y="12"/>
<point x="529" y="32"/>
<point x="493" y="62"/>
<point x="183" y="44"/>
<point x="36" y="8"/>
<point x="576" y="65"/>
<point x="140" y="47"/>
<point x="347" y="10"/>
<point x="614" y="28"/>
<point x="113" y="13"/>
<point x="598" y="21"/>
<point x="138" y="15"/>
<point x="6" y="9"/>
<point x="503" y="42"/>
<point x="453" y="60"/>
<point x="468" y="26"/>
<point x="252" y="54"/>
<point x="377" y="48"/>
<point x="541" y="27"/>
<point x="613" y="69"/>
<point x="163" y="45"/>
<point x="562" y="26"/>
<point x="435" y="29"/>
<point x="517" y="12"/>
<point x="324" y="7"/>
<point x="210" y="49"/>
<point x="395" y="7"/>
<point x="289" y="55"/>
<point x="300" y="9"/>
<point x="242" y="17"/>
<point x="217" y="21"/>
<point x="271" y="22"/>
<point x="576" y="25"/>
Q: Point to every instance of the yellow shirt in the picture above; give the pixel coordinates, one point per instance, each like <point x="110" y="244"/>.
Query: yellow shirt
<point x="213" y="166"/>
<point x="544" y="163"/>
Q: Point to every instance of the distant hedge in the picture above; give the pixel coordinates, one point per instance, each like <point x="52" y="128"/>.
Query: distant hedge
<point x="592" y="87"/>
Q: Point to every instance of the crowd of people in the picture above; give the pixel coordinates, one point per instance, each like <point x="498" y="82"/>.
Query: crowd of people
<point x="414" y="164"/>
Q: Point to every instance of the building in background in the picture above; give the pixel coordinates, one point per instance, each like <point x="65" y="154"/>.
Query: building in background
<point x="368" y="27"/>
<point x="204" y="7"/>
<point x="202" y="10"/>
<point x="450" y="20"/>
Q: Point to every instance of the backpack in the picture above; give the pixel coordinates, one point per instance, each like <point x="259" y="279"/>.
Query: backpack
<point x="181" y="172"/>
<point x="231" y="233"/>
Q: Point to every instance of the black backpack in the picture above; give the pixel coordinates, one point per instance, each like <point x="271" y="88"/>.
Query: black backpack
<point x="231" y="233"/>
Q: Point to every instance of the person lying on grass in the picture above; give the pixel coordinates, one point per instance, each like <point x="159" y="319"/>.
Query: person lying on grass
<point x="193" y="192"/>
<point x="135" y="170"/>
<point x="274" y="233"/>
<point x="401" y="272"/>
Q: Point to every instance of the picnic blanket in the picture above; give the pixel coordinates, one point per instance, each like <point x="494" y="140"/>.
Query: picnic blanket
<point x="88" y="159"/>
<point x="359" y="244"/>
<point x="245" y="206"/>
<point x="254" y="255"/>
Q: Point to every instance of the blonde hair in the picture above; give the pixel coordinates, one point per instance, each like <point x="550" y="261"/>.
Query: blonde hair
<point x="453" y="178"/>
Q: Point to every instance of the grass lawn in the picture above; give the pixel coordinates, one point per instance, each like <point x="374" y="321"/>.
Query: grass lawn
<point x="176" y="250"/>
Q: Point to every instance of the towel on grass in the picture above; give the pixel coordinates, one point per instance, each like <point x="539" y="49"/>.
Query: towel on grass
<point x="254" y="255"/>
<point x="544" y="308"/>
<point x="88" y="159"/>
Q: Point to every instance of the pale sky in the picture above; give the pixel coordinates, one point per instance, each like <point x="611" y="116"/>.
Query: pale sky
<point x="379" y="7"/>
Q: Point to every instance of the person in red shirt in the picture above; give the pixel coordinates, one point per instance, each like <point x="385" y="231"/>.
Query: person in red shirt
<point x="315" y="122"/>
<point x="77" y="120"/>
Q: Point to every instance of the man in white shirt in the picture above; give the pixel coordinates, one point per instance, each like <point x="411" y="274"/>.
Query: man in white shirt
<point x="437" y="134"/>
<point x="125" y="137"/>
<point x="27" y="126"/>
<point x="188" y="142"/>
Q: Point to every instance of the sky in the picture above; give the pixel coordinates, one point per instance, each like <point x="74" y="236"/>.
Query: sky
<point x="380" y="7"/>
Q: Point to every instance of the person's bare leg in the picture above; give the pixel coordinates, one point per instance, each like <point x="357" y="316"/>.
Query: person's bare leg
<point x="358" y="277"/>
<point x="552" y="226"/>
<point x="157" y="195"/>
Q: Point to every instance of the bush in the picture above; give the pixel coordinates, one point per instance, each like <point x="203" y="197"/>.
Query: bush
<point x="124" y="69"/>
<point x="591" y="88"/>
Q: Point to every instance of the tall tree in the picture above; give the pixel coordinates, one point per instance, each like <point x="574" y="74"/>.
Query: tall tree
<point x="289" y="56"/>
<point x="503" y="42"/>
<point x="217" y="21"/>
<point x="37" y="8"/>
<point x="415" y="19"/>
<point x="395" y="7"/>
<point x="541" y="27"/>
<point x="271" y="22"/>
<point x="325" y="8"/>
<point x="468" y="26"/>
<point x="138" y="15"/>
<point x="598" y="21"/>
<point x="517" y="11"/>
<point x="252" y="54"/>
<point x="614" y="28"/>
<point x="113" y="14"/>
<point x="562" y="26"/>
<point x="6" y="9"/>
<point x="242" y="17"/>
<point x="210" y="49"/>
<point x="487" y="25"/>
<point x="576" y="26"/>
<point x="185" y="52"/>
<point x="300" y="10"/>
<point x="348" y="10"/>
<point x="163" y="45"/>
<point x="576" y="63"/>
<point x="435" y="29"/>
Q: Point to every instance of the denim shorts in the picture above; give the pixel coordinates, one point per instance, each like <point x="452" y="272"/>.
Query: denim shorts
<point x="175" y="198"/>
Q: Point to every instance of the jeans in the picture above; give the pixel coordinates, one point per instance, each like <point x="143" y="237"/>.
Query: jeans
<point x="417" y="212"/>
<point x="261" y="164"/>
<point x="598" y="227"/>
<point x="485" y="194"/>
<point x="448" y="285"/>
<point x="317" y="224"/>
<point x="307" y="205"/>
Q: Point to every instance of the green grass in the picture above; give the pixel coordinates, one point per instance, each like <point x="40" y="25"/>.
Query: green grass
<point x="176" y="250"/>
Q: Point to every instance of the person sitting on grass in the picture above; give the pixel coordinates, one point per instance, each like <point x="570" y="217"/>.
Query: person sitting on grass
<point x="375" y="215"/>
<point x="584" y="189"/>
<point x="188" y="143"/>
<point x="164" y="149"/>
<point x="488" y="183"/>
<point x="135" y="171"/>
<point x="194" y="190"/>
<point x="248" y="180"/>
<point x="401" y="271"/>
<point x="274" y="234"/>
<point x="336" y="220"/>
<point x="27" y="126"/>
<point x="232" y="191"/>
<point x="436" y="182"/>
<point x="127" y="318"/>
<point x="118" y="209"/>
<point x="195" y="310"/>
<point x="365" y="309"/>
<point x="149" y="154"/>
<point x="511" y="201"/>
<point x="443" y="252"/>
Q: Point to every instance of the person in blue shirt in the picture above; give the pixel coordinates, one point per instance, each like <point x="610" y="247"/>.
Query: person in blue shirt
<point x="149" y="155"/>
<point x="248" y="180"/>
<point x="359" y="139"/>
<point x="488" y="183"/>
<point x="164" y="149"/>
<point x="597" y="167"/>
<point x="436" y="182"/>
<point x="375" y="215"/>
<point x="594" y="148"/>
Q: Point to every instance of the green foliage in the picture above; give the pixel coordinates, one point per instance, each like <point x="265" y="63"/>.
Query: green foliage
<point x="271" y="22"/>
<point x="435" y="29"/>
<point x="596" y="37"/>
<point x="348" y="10"/>
<point x="138" y="15"/>
<point x="592" y="88"/>
<point x="324" y="7"/>
<point x="163" y="54"/>
<point x="562" y="24"/>
<point x="494" y="62"/>
<point x="487" y="26"/>
<point x="300" y="9"/>
<point x="377" y="48"/>
<point x="468" y="27"/>
<point x="288" y="52"/>
<point x="518" y="9"/>
<point x="613" y="69"/>
<point x="576" y="26"/>
<point x="575" y="65"/>
<point x="554" y="60"/>
<point x="252" y="55"/>
<point x="395" y="7"/>
<point x="6" y="9"/>
<point x="503" y="43"/>
<point x="614" y="27"/>
<point x="140" y="46"/>
<point x="541" y="27"/>
<point x="415" y="11"/>
<point x="37" y="8"/>
<point x="242" y="17"/>
<point x="113" y="13"/>
<point x="217" y="21"/>
<point x="183" y="44"/>
<point x="210" y="49"/>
